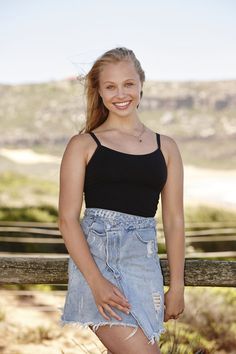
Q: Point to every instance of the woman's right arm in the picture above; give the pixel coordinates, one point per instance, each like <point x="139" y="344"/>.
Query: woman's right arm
<point x="72" y="174"/>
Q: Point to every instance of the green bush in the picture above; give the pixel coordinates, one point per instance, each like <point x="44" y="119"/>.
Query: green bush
<point x="204" y="213"/>
<point x="41" y="213"/>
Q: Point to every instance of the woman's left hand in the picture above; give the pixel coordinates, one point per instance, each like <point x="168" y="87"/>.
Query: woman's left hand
<point x="174" y="303"/>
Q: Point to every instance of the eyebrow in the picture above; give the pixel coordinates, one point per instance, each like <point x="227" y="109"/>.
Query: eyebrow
<point x="105" y="82"/>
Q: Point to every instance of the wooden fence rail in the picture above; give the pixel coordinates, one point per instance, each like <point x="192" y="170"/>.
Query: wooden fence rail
<point x="26" y="238"/>
<point x="53" y="270"/>
<point x="27" y="231"/>
<point x="49" y="262"/>
<point x="188" y="225"/>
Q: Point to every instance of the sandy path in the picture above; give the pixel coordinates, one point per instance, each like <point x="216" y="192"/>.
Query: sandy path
<point x="214" y="187"/>
<point x="31" y="325"/>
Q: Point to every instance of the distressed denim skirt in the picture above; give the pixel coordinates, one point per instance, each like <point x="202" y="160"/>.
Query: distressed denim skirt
<point x="125" y="249"/>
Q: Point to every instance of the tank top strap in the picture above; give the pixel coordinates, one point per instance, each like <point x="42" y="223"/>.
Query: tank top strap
<point x="158" y="140"/>
<point x="95" y="138"/>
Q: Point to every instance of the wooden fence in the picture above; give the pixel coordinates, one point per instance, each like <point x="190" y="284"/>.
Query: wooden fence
<point x="51" y="267"/>
<point x="203" y="240"/>
<point x="53" y="270"/>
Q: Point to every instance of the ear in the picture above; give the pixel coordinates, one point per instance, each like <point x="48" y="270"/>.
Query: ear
<point x="141" y="95"/>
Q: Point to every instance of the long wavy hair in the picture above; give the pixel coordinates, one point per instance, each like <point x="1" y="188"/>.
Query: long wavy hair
<point x="96" y="112"/>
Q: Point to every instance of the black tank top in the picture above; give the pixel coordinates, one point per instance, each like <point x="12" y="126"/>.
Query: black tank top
<point x="125" y="182"/>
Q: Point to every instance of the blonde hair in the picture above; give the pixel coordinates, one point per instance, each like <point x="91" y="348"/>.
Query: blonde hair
<point x="96" y="111"/>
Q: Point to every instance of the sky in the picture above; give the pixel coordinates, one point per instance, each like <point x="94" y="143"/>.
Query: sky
<point x="174" y="40"/>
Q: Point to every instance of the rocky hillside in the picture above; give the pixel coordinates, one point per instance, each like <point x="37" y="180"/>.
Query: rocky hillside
<point x="203" y="113"/>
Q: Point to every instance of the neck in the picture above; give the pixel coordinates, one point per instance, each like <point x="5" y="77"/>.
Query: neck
<point x="125" y="124"/>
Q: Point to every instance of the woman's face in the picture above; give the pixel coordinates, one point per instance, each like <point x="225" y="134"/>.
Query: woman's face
<point x="119" y="87"/>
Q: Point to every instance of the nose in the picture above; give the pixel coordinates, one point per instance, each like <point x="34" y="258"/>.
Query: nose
<point x="120" y="92"/>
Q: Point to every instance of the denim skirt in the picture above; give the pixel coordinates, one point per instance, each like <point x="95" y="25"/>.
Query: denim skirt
<point x="125" y="249"/>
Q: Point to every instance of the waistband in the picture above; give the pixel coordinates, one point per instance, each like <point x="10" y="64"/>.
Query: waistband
<point x="115" y="217"/>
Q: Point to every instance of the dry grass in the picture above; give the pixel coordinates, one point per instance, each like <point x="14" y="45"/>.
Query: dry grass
<point x="207" y="326"/>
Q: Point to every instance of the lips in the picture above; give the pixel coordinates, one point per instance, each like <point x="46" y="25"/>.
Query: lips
<point x="122" y="105"/>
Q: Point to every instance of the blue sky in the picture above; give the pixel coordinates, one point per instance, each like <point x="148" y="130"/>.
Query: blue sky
<point x="174" y="40"/>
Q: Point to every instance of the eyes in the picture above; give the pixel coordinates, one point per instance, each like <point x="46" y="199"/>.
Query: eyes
<point x="111" y="87"/>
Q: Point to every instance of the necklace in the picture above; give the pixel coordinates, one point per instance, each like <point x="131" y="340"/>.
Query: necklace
<point x="139" y="136"/>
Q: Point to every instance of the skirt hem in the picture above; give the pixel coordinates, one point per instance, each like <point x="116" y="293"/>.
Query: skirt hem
<point x="96" y="326"/>
<point x="156" y="336"/>
<point x="152" y="339"/>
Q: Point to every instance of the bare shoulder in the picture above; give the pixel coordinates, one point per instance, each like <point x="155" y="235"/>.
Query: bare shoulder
<point x="168" y="142"/>
<point x="79" y="140"/>
<point x="169" y="147"/>
<point x="77" y="146"/>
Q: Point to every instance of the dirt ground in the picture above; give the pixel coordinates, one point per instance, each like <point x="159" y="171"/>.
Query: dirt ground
<point x="29" y="323"/>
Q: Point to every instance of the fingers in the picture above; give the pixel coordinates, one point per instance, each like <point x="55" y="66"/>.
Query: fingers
<point x="169" y="315"/>
<point x="119" y="293"/>
<point x="110" y="311"/>
<point x="120" y="301"/>
<point x="125" y="309"/>
<point x="117" y="300"/>
<point x="101" y="310"/>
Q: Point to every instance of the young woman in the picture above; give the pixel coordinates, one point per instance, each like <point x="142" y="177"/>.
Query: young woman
<point x="115" y="281"/>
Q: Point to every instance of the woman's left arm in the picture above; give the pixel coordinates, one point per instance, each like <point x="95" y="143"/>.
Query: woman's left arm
<point x="173" y="227"/>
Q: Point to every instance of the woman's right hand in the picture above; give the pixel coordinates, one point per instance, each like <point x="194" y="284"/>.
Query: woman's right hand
<point x="106" y="294"/>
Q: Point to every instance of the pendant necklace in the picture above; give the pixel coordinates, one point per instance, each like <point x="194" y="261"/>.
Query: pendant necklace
<point x="139" y="136"/>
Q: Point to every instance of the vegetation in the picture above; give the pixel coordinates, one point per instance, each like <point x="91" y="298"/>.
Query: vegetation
<point x="204" y="213"/>
<point x="49" y="213"/>
<point x="2" y="315"/>
<point x="41" y="213"/>
<point x="37" y="334"/>
<point x="199" y="115"/>
<point x="207" y="326"/>
<point x="23" y="192"/>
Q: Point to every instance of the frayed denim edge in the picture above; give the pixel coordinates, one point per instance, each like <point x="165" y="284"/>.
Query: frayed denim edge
<point x="154" y="337"/>
<point x="63" y="323"/>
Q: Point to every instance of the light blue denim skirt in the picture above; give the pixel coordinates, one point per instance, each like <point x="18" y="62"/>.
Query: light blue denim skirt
<point x="125" y="249"/>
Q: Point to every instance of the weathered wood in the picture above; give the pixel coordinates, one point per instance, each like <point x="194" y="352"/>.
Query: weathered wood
<point x="22" y="238"/>
<point x="34" y="231"/>
<point x="53" y="270"/>
<point x="202" y="255"/>
<point x="33" y="270"/>
<point x="192" y="239"/>
<point x="34" y="240"/>
<point x="34" y="224"/>
<point x="210" y="232"/>
<point x="206" y="273"/>
<point x="24" y="232"/>
<point x="188" y="225"/>
<point x="16" y="230"/>
<point x="209" y="224"/>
